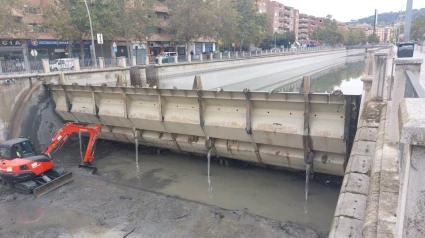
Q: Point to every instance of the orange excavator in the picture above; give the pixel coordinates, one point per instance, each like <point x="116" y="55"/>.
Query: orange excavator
<point x="21" y="168"/>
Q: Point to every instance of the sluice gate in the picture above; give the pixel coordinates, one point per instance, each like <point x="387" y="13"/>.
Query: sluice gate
<point x="276" y="129"/>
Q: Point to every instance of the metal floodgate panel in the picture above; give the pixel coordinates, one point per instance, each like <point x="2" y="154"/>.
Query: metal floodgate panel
<point x="274" y="129"/>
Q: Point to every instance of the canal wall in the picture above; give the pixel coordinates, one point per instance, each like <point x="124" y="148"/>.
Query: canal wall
<point x="382" y="194"/>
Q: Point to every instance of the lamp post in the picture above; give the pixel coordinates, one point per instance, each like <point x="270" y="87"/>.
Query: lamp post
<point x="407" y="21"/>
<point x="92" y="47"/>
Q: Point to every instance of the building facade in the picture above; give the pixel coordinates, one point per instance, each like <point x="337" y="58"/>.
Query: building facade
<point x="284" y="18"/>
<point x="47" y="46"/>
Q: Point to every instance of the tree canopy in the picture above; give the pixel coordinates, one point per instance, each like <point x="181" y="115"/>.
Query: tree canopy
<point x="330" y="33"/>
<point x="418" y="28"/>
<point x="356" y="36"/>
<point x="10" y="19"/>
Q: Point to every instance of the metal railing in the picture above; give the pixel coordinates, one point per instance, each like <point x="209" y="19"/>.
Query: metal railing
<point x="413" y="88"/>
<point x="20" y="67"/>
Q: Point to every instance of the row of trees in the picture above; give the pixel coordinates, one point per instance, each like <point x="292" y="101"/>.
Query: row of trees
<point x="225" y="20"/>
<point x="331" y="33"/>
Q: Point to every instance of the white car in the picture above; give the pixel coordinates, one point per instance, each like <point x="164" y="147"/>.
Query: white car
<point x="62" y="64"/>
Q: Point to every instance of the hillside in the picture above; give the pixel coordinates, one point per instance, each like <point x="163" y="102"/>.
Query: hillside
<point x="387" y="18"/>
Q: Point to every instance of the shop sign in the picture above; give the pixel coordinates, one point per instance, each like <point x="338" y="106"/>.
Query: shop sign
<point x="10" y="43"/>
<point x="54" y="43"/>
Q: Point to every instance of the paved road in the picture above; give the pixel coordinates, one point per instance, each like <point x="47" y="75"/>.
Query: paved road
<point x="265" y="77"/>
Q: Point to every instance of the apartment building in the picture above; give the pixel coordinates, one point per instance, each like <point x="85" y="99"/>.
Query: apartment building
<point x="45" y="42"/>
<point x="281" y="18"/>
<point x="383" y="33"/>
<point x="284" y="18"/>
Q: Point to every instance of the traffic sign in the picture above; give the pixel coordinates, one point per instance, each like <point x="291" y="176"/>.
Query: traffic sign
<point x="114" y="47"/>
<point x="100" y="38"/>
<point x="34" y="53"/>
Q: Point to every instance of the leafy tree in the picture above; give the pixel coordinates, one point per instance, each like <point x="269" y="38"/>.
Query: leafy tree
<point x="373" y="38"/>
<point x="252" y="25"/>
<point x="128" y="19"/>
<point x="192" y="19"/>
<point x="10" y="21"/>
<point x="69" y="21"/>
<point x="356" y="36"/>
<point x="330" y="33"/>
<point x="418" y="27"/>
<point x="227" y="20"/>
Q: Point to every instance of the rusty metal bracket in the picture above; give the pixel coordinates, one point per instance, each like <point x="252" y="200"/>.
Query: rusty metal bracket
<point x="307" y="142"/>
<point x="202" y="121"/>
<point x="161" y="115"/>
<point x="248" y="127"/>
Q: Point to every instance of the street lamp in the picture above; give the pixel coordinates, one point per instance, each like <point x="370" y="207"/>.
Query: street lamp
<point x="92" y="47"/>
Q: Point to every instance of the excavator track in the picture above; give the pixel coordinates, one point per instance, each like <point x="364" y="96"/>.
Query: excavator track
<point x="44" y="183"/>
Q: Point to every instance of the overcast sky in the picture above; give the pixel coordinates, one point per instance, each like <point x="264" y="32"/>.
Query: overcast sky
<point x="345" y="10"/>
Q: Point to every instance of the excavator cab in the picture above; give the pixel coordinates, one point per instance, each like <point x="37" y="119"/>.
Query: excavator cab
<point x="17" y="148"/>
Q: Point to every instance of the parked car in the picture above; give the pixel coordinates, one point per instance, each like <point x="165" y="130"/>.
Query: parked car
<point x="62" y="64"/>
<point x="167" y="57"/>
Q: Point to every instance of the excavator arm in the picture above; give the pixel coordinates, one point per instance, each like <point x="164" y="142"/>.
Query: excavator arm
<point x="66" y="131"/>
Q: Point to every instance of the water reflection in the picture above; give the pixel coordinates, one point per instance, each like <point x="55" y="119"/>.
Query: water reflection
<point x="345" y="78"/>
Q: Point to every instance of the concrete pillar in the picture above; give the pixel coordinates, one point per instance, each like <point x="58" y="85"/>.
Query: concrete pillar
<point x="159" y="60"/>
<point x="133" y="61"/>
<point x="370" y="55"/>
<point x="189" y="58"/>
<point x="228" y="55"/>
<point x="122" y="62"/>
<point x="401" y="65"/>
<point x="147" y="60"/>
<point x="176" y="59"/>
<point x="379" y="76"/>
<point x="101" y="63"/>
<point x="76" y="64"/>
<point x="213" y="47"/>
<point x="201" y="56"/>
<point x="256" y="52"/>
<point x="412" y="164"/>
<point x="221" y="55"/>
<point x="236" y="54"/>
<point x="46" y="66"/>
<point x="203" y="47"/>
<point x="211" y="56"/>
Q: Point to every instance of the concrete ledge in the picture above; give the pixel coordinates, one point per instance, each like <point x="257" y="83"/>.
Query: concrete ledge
<point x="408" y="61"/>
<point x="351" y="205"/>
<point x="355" y="183"/>
<point x="359" y="164"/>
<point x="344" y="227"/>
<point x="412" y="121"/>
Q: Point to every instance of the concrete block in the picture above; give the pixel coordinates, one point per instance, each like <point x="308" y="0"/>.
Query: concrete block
<point x="388" y="207"/>
<point x="365" y="148"/>
<point x="46" y="66"/>
<point x="412" y="121"/>
<point x="359" y="164"/>
<point x="351" y="205"/>
<point x="355" y="183"/>
<point x="76" y="64"/>
<point x="385" y="229"/>
<point x="367" y="134"/>
<point x="389" y="163"/>
<point x="390" y="181"/>
<point x="344" y="227"/>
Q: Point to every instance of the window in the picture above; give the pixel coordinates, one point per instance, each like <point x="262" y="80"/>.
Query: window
<point x="5" y="153"/>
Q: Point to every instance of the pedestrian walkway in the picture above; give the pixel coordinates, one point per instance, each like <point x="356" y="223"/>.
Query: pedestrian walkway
<point x="419" y="54"/>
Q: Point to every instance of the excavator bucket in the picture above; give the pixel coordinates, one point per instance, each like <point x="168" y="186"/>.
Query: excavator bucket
<point x="53" y="184"/>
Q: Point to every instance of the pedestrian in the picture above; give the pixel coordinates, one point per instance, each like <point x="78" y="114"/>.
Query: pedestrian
<point x="191" y="53"/>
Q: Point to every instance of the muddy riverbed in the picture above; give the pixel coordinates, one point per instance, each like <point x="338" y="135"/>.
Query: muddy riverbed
<point x="167" y="196"/>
